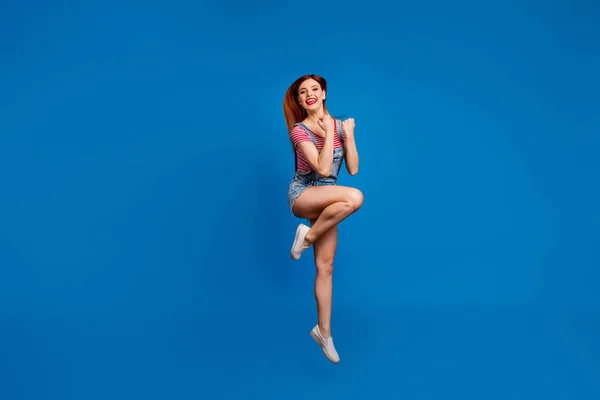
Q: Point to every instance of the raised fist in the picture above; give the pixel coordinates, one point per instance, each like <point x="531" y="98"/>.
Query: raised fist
<point x="348" y="127"/>
<point x="326" y="123"/>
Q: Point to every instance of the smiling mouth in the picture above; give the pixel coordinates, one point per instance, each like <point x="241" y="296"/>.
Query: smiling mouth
<point x="310" y="102"/>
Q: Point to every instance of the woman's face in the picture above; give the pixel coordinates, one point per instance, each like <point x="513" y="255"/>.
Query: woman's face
<point x="310" y="95"/>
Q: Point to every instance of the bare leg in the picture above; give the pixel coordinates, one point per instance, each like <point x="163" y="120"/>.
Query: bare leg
<point x="328" y="206"/>
<point x="324" y="251"/>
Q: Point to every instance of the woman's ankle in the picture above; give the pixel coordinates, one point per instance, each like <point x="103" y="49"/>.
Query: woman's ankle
<point x="325" y="331"/>
<point x="308" y="239"/>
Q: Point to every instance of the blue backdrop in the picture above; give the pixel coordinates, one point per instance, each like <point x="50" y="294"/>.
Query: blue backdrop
<point x="144" y="226"/>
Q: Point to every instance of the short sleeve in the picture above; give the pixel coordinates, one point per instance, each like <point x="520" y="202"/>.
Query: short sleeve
<point x="299" y="135"/>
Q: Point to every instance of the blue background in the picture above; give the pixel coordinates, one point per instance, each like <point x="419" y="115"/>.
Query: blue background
<point x="144" y="226"/>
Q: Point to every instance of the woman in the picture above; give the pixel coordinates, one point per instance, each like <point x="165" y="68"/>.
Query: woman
<point x="320" y="143"/>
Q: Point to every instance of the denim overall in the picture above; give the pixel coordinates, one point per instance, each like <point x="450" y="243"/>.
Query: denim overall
<point x="304" y="179"/>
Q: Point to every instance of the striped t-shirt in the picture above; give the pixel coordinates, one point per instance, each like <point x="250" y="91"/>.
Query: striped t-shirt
<point x="299" y="135"/>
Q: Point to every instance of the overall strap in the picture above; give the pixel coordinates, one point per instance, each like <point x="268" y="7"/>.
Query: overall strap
<point x="338" y="125"/>
<point x="310" y="135"/>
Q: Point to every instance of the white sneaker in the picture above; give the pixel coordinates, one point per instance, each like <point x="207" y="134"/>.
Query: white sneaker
<point x="298" y="246"/>
<point x="326" y="345"/>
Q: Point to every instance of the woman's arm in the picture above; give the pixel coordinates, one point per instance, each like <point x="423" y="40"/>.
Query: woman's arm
<point x="320" y="162"/>
<point x="350" y="145"/>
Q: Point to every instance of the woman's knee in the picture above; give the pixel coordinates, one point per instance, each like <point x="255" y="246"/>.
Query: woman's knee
<point x="324" y="267"/>
<point x="354" y="198"/>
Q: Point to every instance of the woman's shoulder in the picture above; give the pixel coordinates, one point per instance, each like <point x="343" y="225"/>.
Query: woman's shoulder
<point x="298" y="134"/>
<point x="298" y="128"/>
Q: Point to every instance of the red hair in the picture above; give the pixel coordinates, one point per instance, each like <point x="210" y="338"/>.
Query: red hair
<point x="292" y="110"/>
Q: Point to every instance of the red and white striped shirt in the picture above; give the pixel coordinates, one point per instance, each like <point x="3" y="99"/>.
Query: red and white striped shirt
<point x="299" y="135"/>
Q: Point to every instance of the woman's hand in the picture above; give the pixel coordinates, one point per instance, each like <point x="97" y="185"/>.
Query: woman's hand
<point x="326" y="123"/>
<point x="348" y="128"/>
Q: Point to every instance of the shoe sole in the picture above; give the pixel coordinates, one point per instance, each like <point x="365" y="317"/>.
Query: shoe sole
<point x="316" y="338"/>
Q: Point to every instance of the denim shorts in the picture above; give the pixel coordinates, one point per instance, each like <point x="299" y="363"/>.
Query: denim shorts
<point x="299" y="184"/>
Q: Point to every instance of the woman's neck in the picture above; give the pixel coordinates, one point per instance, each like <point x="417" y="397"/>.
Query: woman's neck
<point x="316" y="115"/>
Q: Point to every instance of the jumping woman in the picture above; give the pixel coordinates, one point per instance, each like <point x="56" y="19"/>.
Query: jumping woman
<point x="320" y="143"/>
